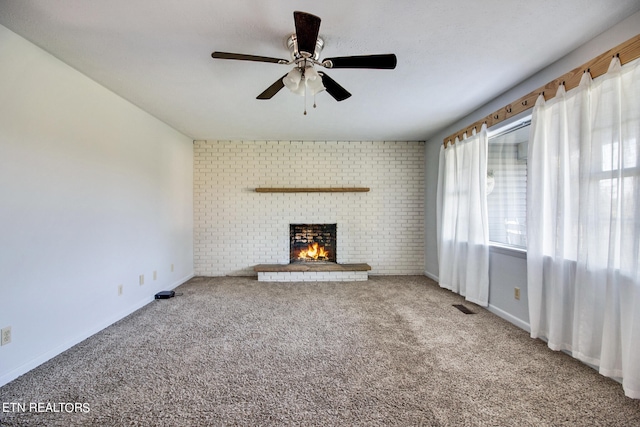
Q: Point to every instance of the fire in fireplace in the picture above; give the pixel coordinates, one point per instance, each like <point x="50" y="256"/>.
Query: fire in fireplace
<point x="312" y="242"/>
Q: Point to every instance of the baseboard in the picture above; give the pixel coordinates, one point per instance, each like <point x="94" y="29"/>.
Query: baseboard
<point x="432" y="276"/>
<point x="34" y="363"/>
<point x="509" y="318"/>
<point x="181" y="281"/>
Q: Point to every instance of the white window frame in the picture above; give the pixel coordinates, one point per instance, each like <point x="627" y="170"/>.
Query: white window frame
<point x="521" y="120"/>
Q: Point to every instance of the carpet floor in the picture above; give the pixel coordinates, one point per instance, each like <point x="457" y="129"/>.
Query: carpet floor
<point x="389" y="351"/>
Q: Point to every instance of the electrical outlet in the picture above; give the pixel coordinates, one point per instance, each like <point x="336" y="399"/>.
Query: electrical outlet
<point x="172" y="268"/>
<point x="119" y="290"/>
<point x="5" y="335"/>
<point x="155" y="275"/>
<point x="141" y="279"/>
<point x="516" y="293"/>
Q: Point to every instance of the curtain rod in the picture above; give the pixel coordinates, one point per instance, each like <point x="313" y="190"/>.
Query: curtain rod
<point x="627" y="52"/>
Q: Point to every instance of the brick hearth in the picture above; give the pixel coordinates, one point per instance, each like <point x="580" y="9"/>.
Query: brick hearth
<point x="312" y="272"/>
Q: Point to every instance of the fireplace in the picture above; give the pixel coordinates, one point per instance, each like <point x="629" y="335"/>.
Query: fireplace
<point x="312" y="243"/>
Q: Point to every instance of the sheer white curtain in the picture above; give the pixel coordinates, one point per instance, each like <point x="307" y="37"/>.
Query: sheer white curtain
<point x="583" y="223"/>
<point x="463" y="231"/>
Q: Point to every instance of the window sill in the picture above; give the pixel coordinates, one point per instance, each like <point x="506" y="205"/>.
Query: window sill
<point x="508" y="250"/>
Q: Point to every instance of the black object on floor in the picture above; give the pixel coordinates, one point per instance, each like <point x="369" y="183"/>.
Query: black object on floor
<point x="165" y="294"/>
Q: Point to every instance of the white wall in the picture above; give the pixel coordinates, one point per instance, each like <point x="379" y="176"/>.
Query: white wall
<point x="237" y="228"/>
<point x="93" y="193"/>
<point x="508" y="271"/>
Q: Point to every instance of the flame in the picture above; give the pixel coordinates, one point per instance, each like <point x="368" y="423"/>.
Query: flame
<point x="313" y="251"/>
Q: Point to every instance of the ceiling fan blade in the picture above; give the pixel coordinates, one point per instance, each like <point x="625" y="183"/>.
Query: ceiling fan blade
<point x="273" y="89"/>
<point x="243" y="57"/>
<point x="333" y="88"/>
<point x="307" y="29"/>
<point x="386" y="62"/>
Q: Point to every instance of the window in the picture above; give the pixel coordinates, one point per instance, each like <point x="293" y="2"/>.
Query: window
<point x="617" y="186"/>
<point x="507" y="184"/>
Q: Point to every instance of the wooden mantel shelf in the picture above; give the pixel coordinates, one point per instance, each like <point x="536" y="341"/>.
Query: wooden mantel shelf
<point x="313" y="190"/>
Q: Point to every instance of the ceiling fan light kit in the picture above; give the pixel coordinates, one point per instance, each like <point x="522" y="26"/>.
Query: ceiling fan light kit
<point x="299" y="78"/>
<point x="305" y="47"/>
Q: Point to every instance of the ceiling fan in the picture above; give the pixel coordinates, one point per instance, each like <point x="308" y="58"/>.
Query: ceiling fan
<point x="305" y="47"/>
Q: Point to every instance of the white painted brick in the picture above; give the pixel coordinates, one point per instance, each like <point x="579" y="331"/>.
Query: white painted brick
<point x="236" y="228"/>
<point x="334" y="276"/>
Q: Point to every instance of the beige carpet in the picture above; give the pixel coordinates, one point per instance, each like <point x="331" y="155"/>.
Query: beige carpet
<point x="390" y="351"/>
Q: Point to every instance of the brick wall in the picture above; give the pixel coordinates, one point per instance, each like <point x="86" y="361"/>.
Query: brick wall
<point x="236" y="228"/>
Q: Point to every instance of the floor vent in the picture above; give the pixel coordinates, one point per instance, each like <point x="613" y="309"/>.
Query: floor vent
<point x="463" y="309"/>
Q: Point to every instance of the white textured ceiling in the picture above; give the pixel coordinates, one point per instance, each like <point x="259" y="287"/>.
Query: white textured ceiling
<point x="453" y="56"/>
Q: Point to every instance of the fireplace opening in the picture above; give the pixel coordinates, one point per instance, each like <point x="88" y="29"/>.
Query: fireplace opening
<point x="312" y="243"/>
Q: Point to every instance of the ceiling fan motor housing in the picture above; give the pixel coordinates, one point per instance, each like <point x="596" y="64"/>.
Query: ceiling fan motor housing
<point x="291" y="44"/>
